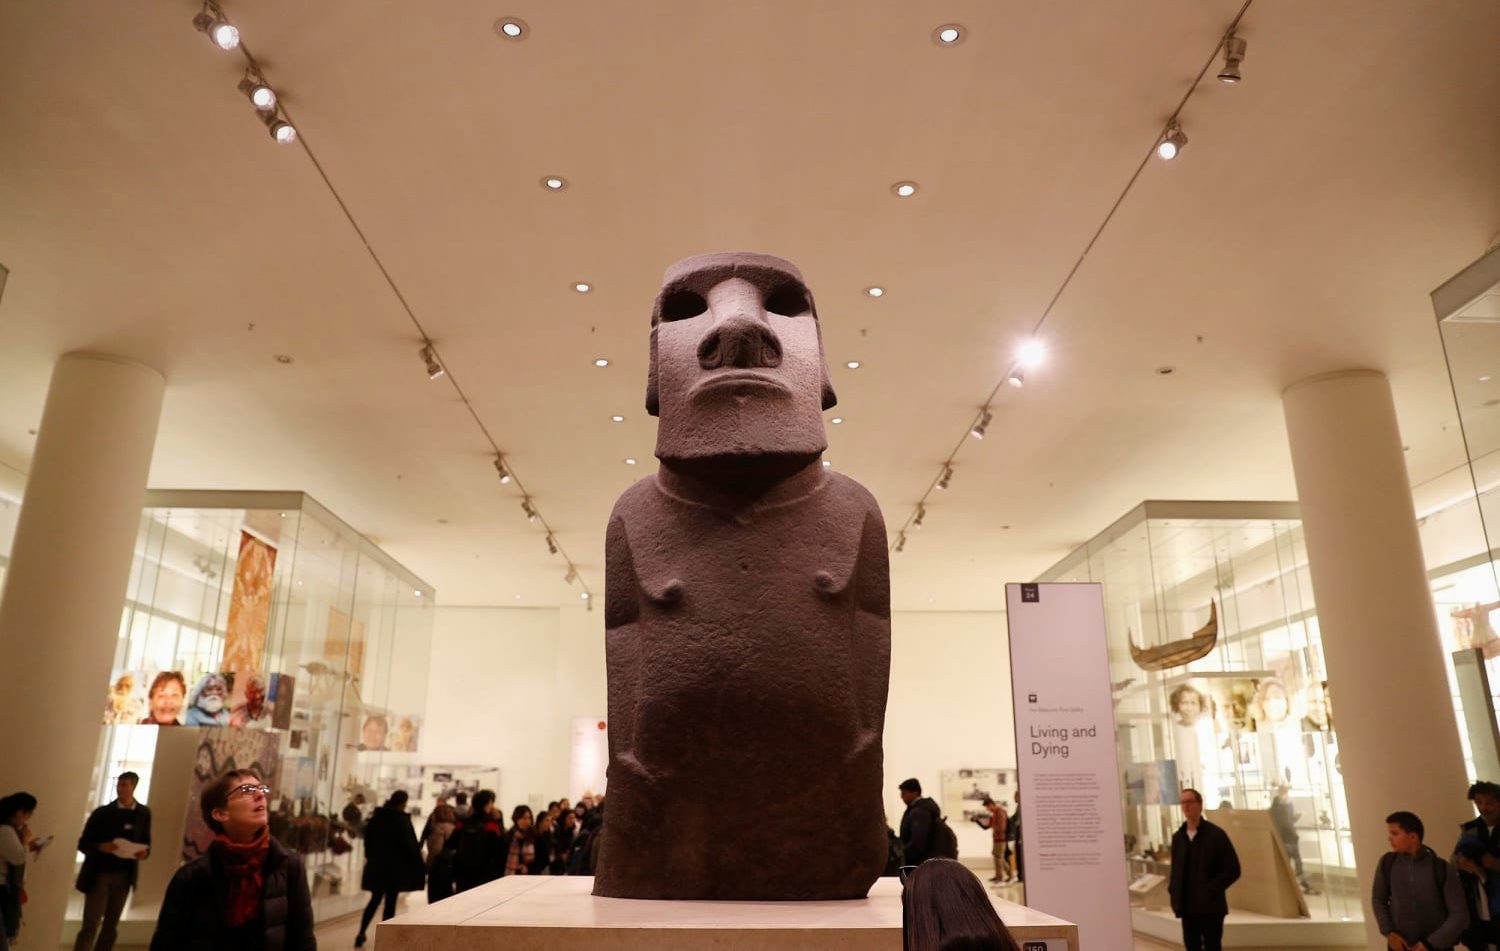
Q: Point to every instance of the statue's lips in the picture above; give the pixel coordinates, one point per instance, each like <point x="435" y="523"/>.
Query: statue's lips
<point x="740" y="379"/>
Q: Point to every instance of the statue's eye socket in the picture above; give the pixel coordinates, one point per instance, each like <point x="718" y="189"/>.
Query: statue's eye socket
<point x="680" y="305"/>
<point x="788" y="301"/>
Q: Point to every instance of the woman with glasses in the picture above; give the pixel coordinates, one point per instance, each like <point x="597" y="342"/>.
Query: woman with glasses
<point x="248" y="891"/>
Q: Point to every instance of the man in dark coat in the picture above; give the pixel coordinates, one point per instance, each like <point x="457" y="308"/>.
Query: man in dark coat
<point x="109" y="868"/>
<point x="1204" y="865"/>
<point x="247" y="891"/>
<point x="393" y="860"/>
<point x="918" y="823"/>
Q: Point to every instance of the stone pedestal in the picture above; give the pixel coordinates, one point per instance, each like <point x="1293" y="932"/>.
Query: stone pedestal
<point x="560" y="914"/>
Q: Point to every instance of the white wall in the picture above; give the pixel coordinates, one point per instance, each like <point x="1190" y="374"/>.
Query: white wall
<point x="506" y="684"/>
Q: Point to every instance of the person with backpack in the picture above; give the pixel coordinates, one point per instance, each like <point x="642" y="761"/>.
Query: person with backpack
<point x="924" y="833"/>
<point x="1417" y="899"/>
<point x="478" y="844"/>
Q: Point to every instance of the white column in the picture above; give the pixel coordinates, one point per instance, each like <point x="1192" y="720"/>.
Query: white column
<point x="64" y="592"/>
<point x="1398" y="740"/>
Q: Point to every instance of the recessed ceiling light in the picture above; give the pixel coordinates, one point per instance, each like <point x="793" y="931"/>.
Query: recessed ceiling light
<point x="1485" y="378"/>
<point x="904" y="189"/>
<point x="875" y="291"/>
<point x="617" y="419"/>
<point x="836" y="420"/>
<point x="417" y="592"/>
<point x="630" y="460"/>
<point x="852" y="364"/>
<point x="512" y="28"/>
<point x="554" y="183"/>
<point x="283" y="358"/>
<point x="601" y="362"/>
<point x="583" y="287"/>
<point x="518" y="597"/>
<point x="949" y="34"/>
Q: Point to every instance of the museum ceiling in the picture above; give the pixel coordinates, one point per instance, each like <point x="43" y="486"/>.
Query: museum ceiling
<point x="145" y="211"/>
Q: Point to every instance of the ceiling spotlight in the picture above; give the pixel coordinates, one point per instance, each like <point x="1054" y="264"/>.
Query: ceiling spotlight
<point x="945" y="478"/>
<point x="617" y="419"/>
<point x="984" y="424"/>
<point x="875" y="291"/>
<point x="261" y="95"/>
<point x="1234" y="55"/>
<point x="836" y="420"/>
<point x="630" y="460"/>
<point x="1172" y="142"/>
<point x="949" y="34"/>
<point x="904" y="189"/>
<point x="529" y="509"/>
<point x="281" y="130"/>
<point x="512" y="28"/>
<point x="852" y="364"/>
<point x="1016" y="377"/>
<point x="1031" y="353"/>
<point x="584" y="595"/>
<point x="601" y="362"/>
<point x="570" y="577"/>
<point x="551" y="544"/>
<point x="429" y="357"/>
<point x="211" y="23"/>
<point x="583" y="287"/>
<point x="554" y="183"/>
<point x="502" y="470"/>
<point x="921" y="514"/>
<point x="900" y="543"/>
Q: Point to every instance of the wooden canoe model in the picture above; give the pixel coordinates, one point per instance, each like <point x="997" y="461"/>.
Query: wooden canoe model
<point x="1177" y="653"/>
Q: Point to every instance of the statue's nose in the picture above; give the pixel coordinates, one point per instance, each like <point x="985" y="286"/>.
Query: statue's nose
<point x="742" y="342"/>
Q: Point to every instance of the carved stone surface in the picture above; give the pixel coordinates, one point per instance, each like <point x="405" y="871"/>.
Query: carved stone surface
<point x="747" y="608"/>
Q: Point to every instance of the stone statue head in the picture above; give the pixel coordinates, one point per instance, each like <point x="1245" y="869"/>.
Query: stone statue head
<point x="737" y="364"/>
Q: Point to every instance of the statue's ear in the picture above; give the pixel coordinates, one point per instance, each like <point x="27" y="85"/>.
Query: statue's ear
<point x="653" y="400"/>
<point x="830" y="399"/>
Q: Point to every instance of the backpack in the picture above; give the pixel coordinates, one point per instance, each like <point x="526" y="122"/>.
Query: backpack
<point x="1439" y="869"/>
<point x="470" y="857"/>
<point x="944" y="840"/>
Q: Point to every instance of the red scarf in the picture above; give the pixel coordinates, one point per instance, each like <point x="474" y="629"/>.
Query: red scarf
<point x="245" y="863"/>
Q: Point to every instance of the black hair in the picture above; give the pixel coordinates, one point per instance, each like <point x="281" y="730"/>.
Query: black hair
<point x="910" y="785"/>
<point x="945" y="907"/>
<point x="130" y="775"/>
<point x="462" y="798"/>
<point x="398" y="799"/>
<point x="16" y="802"/>
<point x="1406" y="821"/>
<point x="482" y="802"/>
<point x="518" y="812"/>
<point x="1485" y="788"/>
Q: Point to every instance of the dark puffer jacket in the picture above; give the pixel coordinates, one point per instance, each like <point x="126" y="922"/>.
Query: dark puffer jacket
<point x="194" y="912"/>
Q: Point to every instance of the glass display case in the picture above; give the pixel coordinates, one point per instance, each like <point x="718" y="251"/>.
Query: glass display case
<point x="259" y="629"/>
<point x="1219" y="683"/>
<point x="1466" y="592"/>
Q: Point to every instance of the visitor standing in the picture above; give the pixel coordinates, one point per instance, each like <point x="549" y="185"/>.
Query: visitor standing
<point x="477" y="844"/>
<point x="998" y="822"/>
<point x="16" y="845"/>
<point x="1204" y="865"/>
<point x="1284" y="818"/>
<point x="918" y="823"/>
<point x="248" y="891"/>
<point x="1417" y="899"/>
<point x="115" y="840"/>
<point x="1477" y="857"/>
<point x="1013" y="829"/>
<point x="439" y="860"/>
<point x="521" y="847"/>
<point x="393" y="861"/>
<point x="460" y="805"/>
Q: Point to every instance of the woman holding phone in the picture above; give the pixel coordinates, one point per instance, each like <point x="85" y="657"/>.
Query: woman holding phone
<point x="16" y="843"/>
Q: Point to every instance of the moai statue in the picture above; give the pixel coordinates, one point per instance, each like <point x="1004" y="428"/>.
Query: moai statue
<point x="747" y="608"/>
